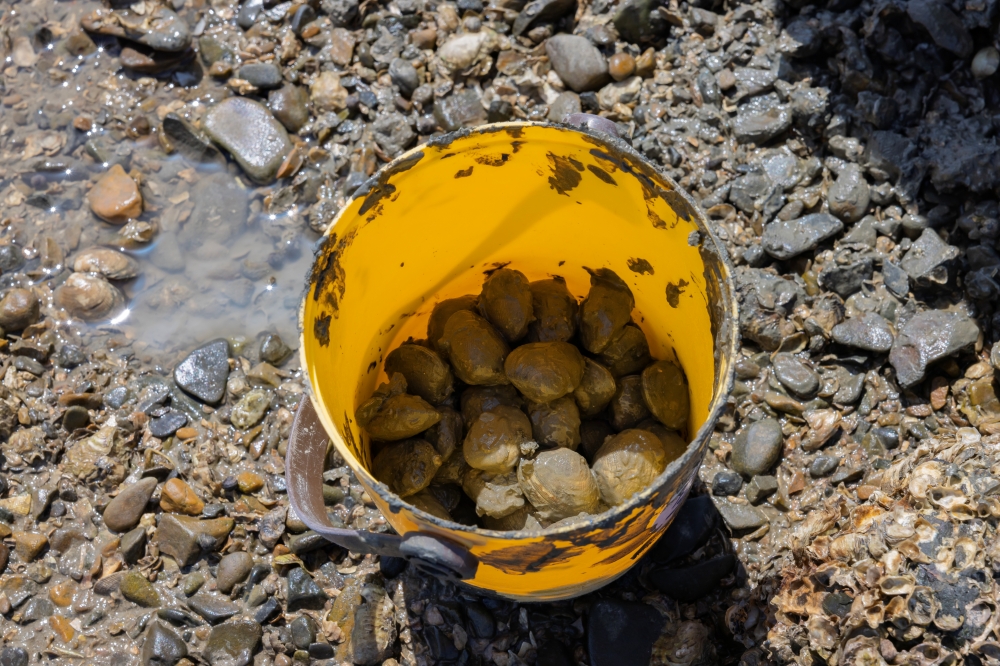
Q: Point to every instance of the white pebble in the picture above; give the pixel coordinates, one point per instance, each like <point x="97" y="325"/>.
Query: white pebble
<point x="986" y="62"/>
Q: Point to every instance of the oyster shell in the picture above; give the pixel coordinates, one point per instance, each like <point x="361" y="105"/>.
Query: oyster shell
<point x="628" y="463"/>
<point x="559" y="484"/>
<point x="406" y="467"/>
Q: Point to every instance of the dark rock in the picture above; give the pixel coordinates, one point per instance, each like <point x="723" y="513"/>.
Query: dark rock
<point x="204" y="372"/>
<point x="290" y="105"/>
<point x="14" y="656"/>
<point x="189" y="141"/>
<point x="540" y="11"/>
<point x="213" y="607"/>
<point x="870" y="332"/>
<point x="577" y="62"/>
<point x="633" y="20"/>
<point x="726" y="484"/>
<point x="622" y="632"/>
<point x="554" y="653"/>
<point x="760" y="488"/>
<point x="762" y="119"/>
<point x="459" y="109"/>
<point x="233" y="643"/>
<point x="302" y="17"/>
<point x="37" y="608"/>
<point x="823" y="466"/>
<point x="895" y="278"/>
<point x="263" y="75"/>
<point x="233" y="569"/>
<point x="404" y="75"/>
<point x="303" y="630"/>
<point x="393" y="133"/>
<point x="391" y="566"/>
<point x="125" y="510"/>
<point x="162" y="646"/>
<point x="267" y="611"/>
<point x="133" y="545"/>
<point x="303" y="592"/>
<point x="740" y="517"/>
<point x="795" y="375"/>
<point x="800" y="39"/>
<point x="11" y="258"/>
<point x="75" y="417"/>
<point x="481" y="621"/>
<point x="691" y="527"/>
<point x="307" y="542"/>
<point x="184" y="538"/>
<point x="928" y="337"/>
<point x="691" y="583"/>
<point x="784" y="239"/>
<point x="847" y="475"/>
<point x="756" y="447"/>
<point x="928" y="259"/>
<point x="442" y="648"/>
<point x="321" y="651"/>
<point x="849" y="195"/>
<point x="943" y="25"/>
<point x="847" y="279"/>
<point x="167" y="424"/>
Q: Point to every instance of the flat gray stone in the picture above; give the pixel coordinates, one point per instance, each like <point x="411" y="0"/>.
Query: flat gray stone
<point x="762" y="119"/>
<point x="740" y="517"/>
<point x="577" y="62"/>
<point x="928" y="259"/>
<point x="928" y="337"/>
<point x="870" y="332"/>
<point x="248" y="132"/>
<point x="785" y="239"/>
<point x="204" y="372"/>
<point x="757" y="447"/>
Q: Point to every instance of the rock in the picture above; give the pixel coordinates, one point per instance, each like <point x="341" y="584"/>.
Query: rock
<point x="761" y="119"/>
<point x="321" y="651"/>
<point x="36" y="609"/>
<point x="577" y="62"/>
<point x="800" y="39"/>
<point x="176" y="496"/>
<point x="233" y="569"/>
<point x="460" y="109"/>
<point x="404" y="75"/>
<point x="927" y="337"/>
<point x="540" y="11"/>
<point x="125" y="510"/>
<point x="89" y="297"/>
<point x="167" y="424"/>
<point x="863" y="232"/>
<point x="233" y="643"/>
<point x="189" y="141"/>
<point x="754" y="81"/>
<point x="115" y="197"/>
<point x="784" y="239"/>
<point x="4" y="557"/>
<point x="19" y="308"/>
<point x="289" y="104"/>
<point x="327" y="93"/>
<point x="162" y="646"/>
<point x="14" y="656"/>
<point x="740" y="517"/>
<point x="393" y="133"/>
<point x="184" y="537"/>
<point x="757" y="447"/>
<point x="895" y="278"/>
<point x="248" y="482"/>
<point x="726" y="484"/>
<point x="204" y="372"/>
<point x="692" y="526"/>
<point x="869" y="331"/>
<point x="263" y="75"/>
<point x="481" y="621"/>
<point x="847" y="279"/>
<point x="462" y="51"/>
<point x="28" y="545"/>
<point x="621" y="66"/>
<point x="633" y="20"/>
<point x="137" y="589"/>
<point x="133" y="545"/>
<point x="928" y="259"/>
<point x="849" y="195"/>
<point x="621" y="92"/>
<point x="215" y="608"/>
<point x="823" y="466"/>
<point x="760" y="488"/>
<point x="11" y="258"/>
<point x="986" y="62"/>
<point x="303" y="592"/>
<point x="303" y="630"/>
<point x="943" y="25"/>
<point x="112" y="264"/>
<point x="688" y="584"/>
<point x="250" y="409"/>
<point x="622" y="632"/>
<point x="159" y="29"/>
<point x="565" y="104"/>
<point x="248" y="131"/>
<point x="795" y="375"/>
<point x="267" y="611"/>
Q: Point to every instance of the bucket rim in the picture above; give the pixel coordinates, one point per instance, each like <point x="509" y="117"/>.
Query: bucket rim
<point x="729" y="328"/>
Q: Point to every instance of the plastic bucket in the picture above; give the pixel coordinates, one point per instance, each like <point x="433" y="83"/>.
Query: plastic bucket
<point x="546" y="200"/>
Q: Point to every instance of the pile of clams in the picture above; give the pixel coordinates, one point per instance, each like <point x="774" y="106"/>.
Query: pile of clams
<point x="524" y="408"/>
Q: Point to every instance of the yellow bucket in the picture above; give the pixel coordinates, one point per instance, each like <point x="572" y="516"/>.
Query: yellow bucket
<point x="546" y="200"/>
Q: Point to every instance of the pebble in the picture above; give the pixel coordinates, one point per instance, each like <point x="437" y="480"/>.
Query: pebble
<point x="986" y="62"/>
<point x="115" y="197"/>
<point x="192" y="582"/>
<point x="133" y="545"/>
<point x="404" y="75"/>
<point x="785" y="239"/>
<point x="795" y="375"/>
<point x="927" y="337"/>
<point x="189" y="141"/>
<point x="124" y="511"/>
<point x="4" y="557"/>
<point x="539" y="11"/>
<point x="823" y="466"/>
<point x="137" y="589"/>
<point x="688" y="584"/>
<point x="943" y="25"/>
<point x="14" y="656"/>
<point x="327" y="93"/>
<point x="760" y="488"/>
<point x="761" y="119"/>
<point x="36" y="609"/>
<point x="263" y="75"/>
<point x="847" y="279"/>
<point x="577" y="62"/>
<point x="740" y="517"/>
<point x="247" y="131"/>
<point x="183" y="537"/>
<point x="112" y="264"/>
<point x="895" y="278"/>
<point x="214" y="608"/>
<point x="19" y="308"/>
<point x="177" y="496"/>
<point x="205" y="371"/>
<point x="621" y="66"/>
<point x="928" y="259"/>
<point x="869" y="332"/>
<point x="267" y="611"/>
<point x="303" y="592"/>
<point x="289" y="104"/>
<point x="849" y="195"/>
<point x="233" y="569"/>
<point x="756" y="447"/>
<point x="248" y="482"/>
<point x="303" y="630"/>
<point x="460" y="109"/>
<point x="28" y="545"/>
<point x="633" y="22"/>
<point x="726" y="484"/>
<point x="621" y="632"/>
<point x="162" y="647"/>
<point x="692" y="526"/>
<point x="481" y="621"/>
<point x="250" y="409"/>
<point x="233" y="643"/>
<point x="167" y="424"/>
<point x="89" y="297"/>
<point x="11" y="258"/>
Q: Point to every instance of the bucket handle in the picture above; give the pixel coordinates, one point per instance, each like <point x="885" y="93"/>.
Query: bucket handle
<point x="307" y="446"/>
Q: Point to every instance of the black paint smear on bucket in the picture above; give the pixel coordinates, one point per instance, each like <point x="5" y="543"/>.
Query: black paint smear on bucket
<point x="674" y="292"/>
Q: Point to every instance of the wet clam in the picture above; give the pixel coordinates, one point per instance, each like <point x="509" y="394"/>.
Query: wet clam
<point x="391" y="414"/>
<point x="442" y="312"/>
<point x="559" y="484"/>
<point x="518" y="520"/>
<point x="112" y="264"/>
<point x="627" y="353"/>
<point x="479" y="399"/>
<point x="555" y="311"/>
<point x="495" y="440"/>
<point x="506" y="303"/>
<point x="453" y="469"/>
<point x="628" y="463"/>
<point x="426" y="501"/>
<point x="597" y="387"/>
<point x="495" y="496"/>
<point x="628" y="408"/>
<point x="446" y="435"/>
<point x="555" y="423"/>
<point x="406" y="467"/>
<point x="476" y="350"/>
<point x="605" y="311"/>
<point x="544" y="371"/>
<point x="427" y="375"/>
<point x="89" y="297"/>
<point x="592" y="436"/>
<point x="673" y="444"/>
<point x="665" y="390"/>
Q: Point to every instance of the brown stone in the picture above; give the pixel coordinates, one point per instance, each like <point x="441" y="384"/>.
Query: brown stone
<point x="186" y="433"/>
<point x="61" y="593"/>
<point x="115" y="198"/>
<point x="341" y="46"/>
<point x="178" y="536"/>
<point x="28" y="545"/>
<point x="424" y="39"/>
<point x="939" y="393"/>
<point x="249" y="482"/>
<point x="4" y="557"/>
<point x="176" y="496"/>
<point x="125" y="510"/>
<point x="62" y="627"/>
<point x="621" y="66"/>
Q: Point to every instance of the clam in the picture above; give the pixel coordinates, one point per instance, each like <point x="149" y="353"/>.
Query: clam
<point x="559" y="484"/>
<point x="425" y="501"/>
<point x="592" y="436"/>
<point x="494" y="442"/>
<point x="479" y="399"/>
<point x="447" y="433"/>
<point x="506" y="303"/>
<point x="673" y="444"/>
<point x="406" y="467"/>
<point x="89" y="297"/>
<point x="596" y="388"/>
<point x="518" y="520"/>
<point x="605" y="311"/>
<point x="427" y="375"/>
<point x="442" y="312"/>
<point x="112" y="264"/>
<point x="665" y="390"/>
<point x="392" y="414"/>
<point x="628" y="463"/>
<point x="545" y="371"/>
<point x="495" y="496"/>
<point x="555" y="423"/>
<point x="555" y="311"/>
<point x="628" y="407"/>
<point x="627" y="353"/>
<point x="453" y="469"/>
<point x="476" y="350"/>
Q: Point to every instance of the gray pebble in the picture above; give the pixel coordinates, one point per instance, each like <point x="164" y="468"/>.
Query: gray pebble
<point x="263" y="75"/>
<point x="740" y="517"/>
<point x="233" y="569"/>
<point x="795" y="375"/>
<point x="823" y="466"/>
<point x="784" y="239"/>
<point x="870" y="332"/>
<point x="757" y="447"/>
<point x="204" y="372"/>
<point x="761" y="119"/>
<point x="760" y="488"/>
<point x="248" y="131"/>
<point x="849" y="195"/>
<point x="928" y="337"/>
<point x="577" y="62"/>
